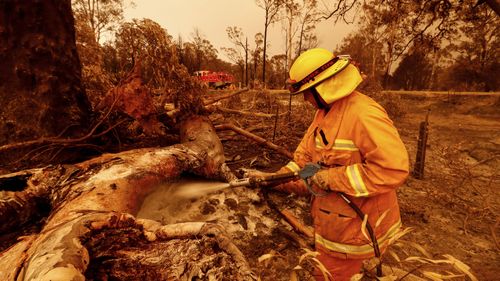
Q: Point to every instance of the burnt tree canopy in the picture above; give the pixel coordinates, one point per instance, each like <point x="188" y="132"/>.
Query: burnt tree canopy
<point x="40" y="75"/>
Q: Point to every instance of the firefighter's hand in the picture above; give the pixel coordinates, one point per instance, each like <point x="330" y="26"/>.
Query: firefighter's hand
<point x="319" y="180"/>
<point x="315" y="176"/>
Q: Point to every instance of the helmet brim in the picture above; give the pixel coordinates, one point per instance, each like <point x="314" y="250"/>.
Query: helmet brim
<point x="340" y="65"/>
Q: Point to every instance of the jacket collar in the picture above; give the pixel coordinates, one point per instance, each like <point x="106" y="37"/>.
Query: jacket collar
<point x="330" y="121"/>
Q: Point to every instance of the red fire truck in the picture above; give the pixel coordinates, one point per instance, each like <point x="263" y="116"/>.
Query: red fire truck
<point x="216" y="80"/>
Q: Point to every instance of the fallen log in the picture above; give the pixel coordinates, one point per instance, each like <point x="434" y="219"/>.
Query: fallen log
<point x="298" y="240"/>
<point x="105" y="193"/>
<point x="296" y="224"/>
<point x="173" y="112"/>
<point x="259" y="140"/>
<point x="246" y="113"/>
<point x="122" y="242"/>
<point x="226" y="96"/>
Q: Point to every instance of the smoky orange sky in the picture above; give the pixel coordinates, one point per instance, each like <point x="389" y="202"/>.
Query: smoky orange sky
<point x="212" y="17"/>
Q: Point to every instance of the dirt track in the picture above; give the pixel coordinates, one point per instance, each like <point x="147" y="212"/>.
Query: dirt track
<point x="455" y="208"/>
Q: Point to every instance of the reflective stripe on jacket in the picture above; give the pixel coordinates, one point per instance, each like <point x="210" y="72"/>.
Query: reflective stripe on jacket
<point x="365" y="159"/>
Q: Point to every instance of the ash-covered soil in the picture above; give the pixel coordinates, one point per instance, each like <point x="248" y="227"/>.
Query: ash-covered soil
<point x="453" y="210"/>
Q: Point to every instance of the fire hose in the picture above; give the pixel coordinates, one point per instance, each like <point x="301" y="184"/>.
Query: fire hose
<point x="309" y="170"/>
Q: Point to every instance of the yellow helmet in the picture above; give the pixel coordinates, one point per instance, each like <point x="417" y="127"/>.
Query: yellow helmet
<point x="333" y="76"/>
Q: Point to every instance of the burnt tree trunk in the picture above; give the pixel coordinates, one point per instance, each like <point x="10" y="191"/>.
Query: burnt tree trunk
<point x="91" y="231"/>
<point x="41" y="94"/>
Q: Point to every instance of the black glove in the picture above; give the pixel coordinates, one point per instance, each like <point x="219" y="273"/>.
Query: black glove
<point x="313" y="176"/>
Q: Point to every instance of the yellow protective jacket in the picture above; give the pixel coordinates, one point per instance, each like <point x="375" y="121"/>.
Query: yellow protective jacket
<point x="365" y="159"/>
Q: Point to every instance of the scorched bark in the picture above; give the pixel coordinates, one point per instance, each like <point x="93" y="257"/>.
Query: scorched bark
<point x="105" y="192"/>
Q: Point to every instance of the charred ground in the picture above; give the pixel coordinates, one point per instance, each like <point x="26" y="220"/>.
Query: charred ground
<point x="453" y="210"/>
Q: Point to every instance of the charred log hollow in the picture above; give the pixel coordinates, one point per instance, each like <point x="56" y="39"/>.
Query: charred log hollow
<point x="124" y="252"/>
<point x="23" y="207"/>
<point x="17" y="183"/>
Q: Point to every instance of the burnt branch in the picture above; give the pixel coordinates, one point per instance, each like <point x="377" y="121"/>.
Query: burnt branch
<point x="259" y="140"/>
<point x="342" y="8"/>
<point x="226" y="96"/>
<point x="58" y="140"/>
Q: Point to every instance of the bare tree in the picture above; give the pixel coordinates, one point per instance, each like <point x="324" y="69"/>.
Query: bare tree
<point x="236" y="35"/>
<point x="338" y="9"/>
<point x="179" y="46"/>
<point x="236" y="57"/>
<point x="271" y="9"/>
<point x="379" y="24"/>
<point x="100" y="15"/>
<point x="308" y="19"/>
<point x="197" y="40"/>
<point x="291" y="14"/>
<point x="298" y="22"/>
<point x="203" y="49"/>
<point x="259" y="40"/>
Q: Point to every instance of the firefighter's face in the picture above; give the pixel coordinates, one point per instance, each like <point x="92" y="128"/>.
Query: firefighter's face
<point x="314" y="99"/>
<point x="308" y="96"/>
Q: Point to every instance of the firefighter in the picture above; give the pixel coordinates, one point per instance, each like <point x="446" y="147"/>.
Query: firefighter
<point x="362" y="158"/>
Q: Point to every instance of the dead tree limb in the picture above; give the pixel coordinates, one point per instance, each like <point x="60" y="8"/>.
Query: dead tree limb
<point x="259" y="140"/>
<point x="302" y="242"/>
<point x="214" y="100"/>
<point x="246" y="113"/>
<point x="295" y="238"/>
<point x="194" y="229"/>
<point x="296" y="224"/>
<point x="58" y="139"/>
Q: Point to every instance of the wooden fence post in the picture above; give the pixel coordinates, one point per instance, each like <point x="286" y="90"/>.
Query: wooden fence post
<point x="418" y="170"/>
